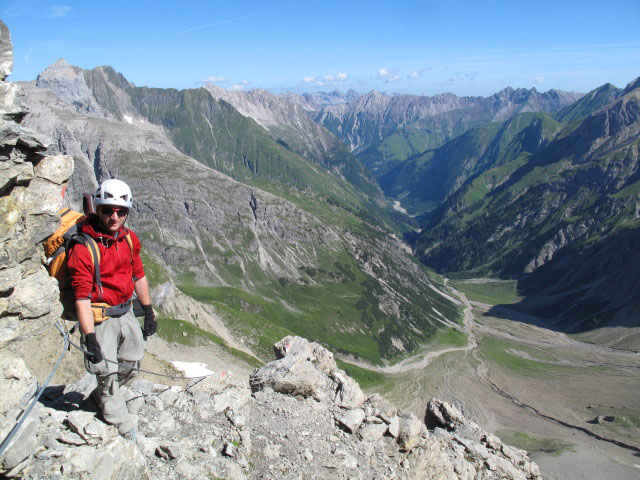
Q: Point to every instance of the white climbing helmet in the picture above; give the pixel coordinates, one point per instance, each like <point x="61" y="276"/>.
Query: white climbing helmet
<point x="114" y="192"/>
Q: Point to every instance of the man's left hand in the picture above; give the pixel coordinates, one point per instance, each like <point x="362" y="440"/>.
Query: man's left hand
<point x="150" y="324"/>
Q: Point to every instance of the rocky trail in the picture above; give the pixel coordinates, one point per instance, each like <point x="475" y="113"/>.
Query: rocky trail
<point x="299" y="417"/>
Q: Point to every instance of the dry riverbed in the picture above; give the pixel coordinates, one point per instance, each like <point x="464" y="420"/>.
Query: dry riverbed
<point x="573" y="405"/>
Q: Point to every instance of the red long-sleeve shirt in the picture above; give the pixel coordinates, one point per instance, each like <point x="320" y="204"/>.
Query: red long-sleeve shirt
<point x="117" y="270"/>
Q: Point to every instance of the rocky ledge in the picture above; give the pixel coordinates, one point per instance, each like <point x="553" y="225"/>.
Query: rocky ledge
<point x="300" y="417"/>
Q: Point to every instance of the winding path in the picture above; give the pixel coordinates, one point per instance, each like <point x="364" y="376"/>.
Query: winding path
<point x="421" y="360"/>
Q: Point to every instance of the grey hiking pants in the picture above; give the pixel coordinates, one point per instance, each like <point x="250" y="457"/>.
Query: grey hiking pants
<point x="120" y="340"/>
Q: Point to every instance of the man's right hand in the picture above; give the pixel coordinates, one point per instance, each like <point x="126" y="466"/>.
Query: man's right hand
<point x="93" y="347"/>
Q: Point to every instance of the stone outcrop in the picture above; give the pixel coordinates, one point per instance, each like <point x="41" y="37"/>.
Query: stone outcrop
<point x="218" y="427"/>
<point x="307" y="369"/>
<point x="30" y="197"/>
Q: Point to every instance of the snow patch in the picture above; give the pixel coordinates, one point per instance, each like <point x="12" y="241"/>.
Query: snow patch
<point x="128" y="119"/>
<point x="192" y="369"/>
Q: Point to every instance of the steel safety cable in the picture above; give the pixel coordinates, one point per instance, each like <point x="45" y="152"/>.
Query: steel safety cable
<point x="66" y="335"/>
<point x="34" y="399"/>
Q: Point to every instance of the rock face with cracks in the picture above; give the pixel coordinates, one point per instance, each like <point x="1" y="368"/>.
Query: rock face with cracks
<point x="283" y="426"/>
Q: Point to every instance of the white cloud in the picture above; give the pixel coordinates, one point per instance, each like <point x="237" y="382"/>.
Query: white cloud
<point x="538" y="80"/>
<point x="214" y="79"/>
<point x="416" y="74"/>
<point x="245" y="82"/>
<point x="463" y="76"/>
<point x="56" y="11"/>
<point x="236" y="86"/>
<point x="336" y="79"/>
<point x="388" y="75"/>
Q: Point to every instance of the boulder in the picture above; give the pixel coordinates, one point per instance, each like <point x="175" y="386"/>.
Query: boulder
<point x="350" y="420"/>
<point x="441" y="414"/>
<point x="411" y="431"/>
<point x="307" y="369"/>
<point x="6" y="52"/>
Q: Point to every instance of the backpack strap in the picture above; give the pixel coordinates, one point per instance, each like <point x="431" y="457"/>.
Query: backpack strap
<point x="127" y="237"/>
<point x="86" y="240"/>
<point x="68" y="235"/>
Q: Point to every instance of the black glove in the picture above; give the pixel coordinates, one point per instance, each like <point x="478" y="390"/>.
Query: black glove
<point x="150" y="324"/>
<point x="93" y="347"/>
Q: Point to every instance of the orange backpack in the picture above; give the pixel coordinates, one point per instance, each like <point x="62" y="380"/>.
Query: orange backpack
<point x="55" y="249"/>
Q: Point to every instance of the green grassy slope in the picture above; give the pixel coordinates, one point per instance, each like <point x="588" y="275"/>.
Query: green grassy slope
<point x="576" y="195"/>
<point x="427" y="180"/>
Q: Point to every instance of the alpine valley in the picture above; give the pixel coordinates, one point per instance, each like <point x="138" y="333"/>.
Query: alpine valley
<point x="482" y="251"/>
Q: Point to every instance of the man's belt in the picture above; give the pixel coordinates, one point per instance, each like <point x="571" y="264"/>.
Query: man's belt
<point x="102" y="311"/>
<point x="118" y="310"/>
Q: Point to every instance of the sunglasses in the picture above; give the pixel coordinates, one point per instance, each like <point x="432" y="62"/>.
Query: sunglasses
<point x="122" y="212"/>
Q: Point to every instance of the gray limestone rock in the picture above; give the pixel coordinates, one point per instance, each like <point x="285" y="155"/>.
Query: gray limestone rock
<point x="308" y="369"/>
<point x="88" y="428"/>
<point x="291" y="375"/>
<point x="16" y="383"/>
<point x="371" y="432"/>
<point x="10" y="95"/>
<point x="56" y="169"/>
<point x="394" y="427"/>
<point x="411" y="432"/>
<point x="23" y="445"/>
<point x="381" y="407"/>
<point x="6" y="52"/>
<point x="169" y="450"/>
<point x="350" y="419"/>
<point x="349" y="394"/>
<point x="441" y="414"/>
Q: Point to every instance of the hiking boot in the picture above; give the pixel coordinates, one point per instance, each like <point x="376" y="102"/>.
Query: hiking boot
<point x="94" y="396"/>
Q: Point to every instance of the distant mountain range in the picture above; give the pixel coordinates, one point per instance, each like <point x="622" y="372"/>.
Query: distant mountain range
<point x="533" y="186"/>
<point x="240" y="228"/>
<point x="544" y="199"/>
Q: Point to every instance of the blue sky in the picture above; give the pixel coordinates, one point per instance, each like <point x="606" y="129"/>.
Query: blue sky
<point x="422" y="47"/>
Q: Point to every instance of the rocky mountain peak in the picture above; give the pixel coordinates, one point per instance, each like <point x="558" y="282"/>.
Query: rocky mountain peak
<point x="68" y="83"/>
<point x="6" y="52"/>
<point x="632" y="86"/>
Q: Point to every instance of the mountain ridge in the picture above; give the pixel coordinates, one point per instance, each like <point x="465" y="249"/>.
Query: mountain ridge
<point x="575" y="192"/>
<point x="286" y="261"/>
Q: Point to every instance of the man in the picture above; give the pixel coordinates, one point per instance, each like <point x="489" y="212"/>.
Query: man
<point x="118" y="338"/>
